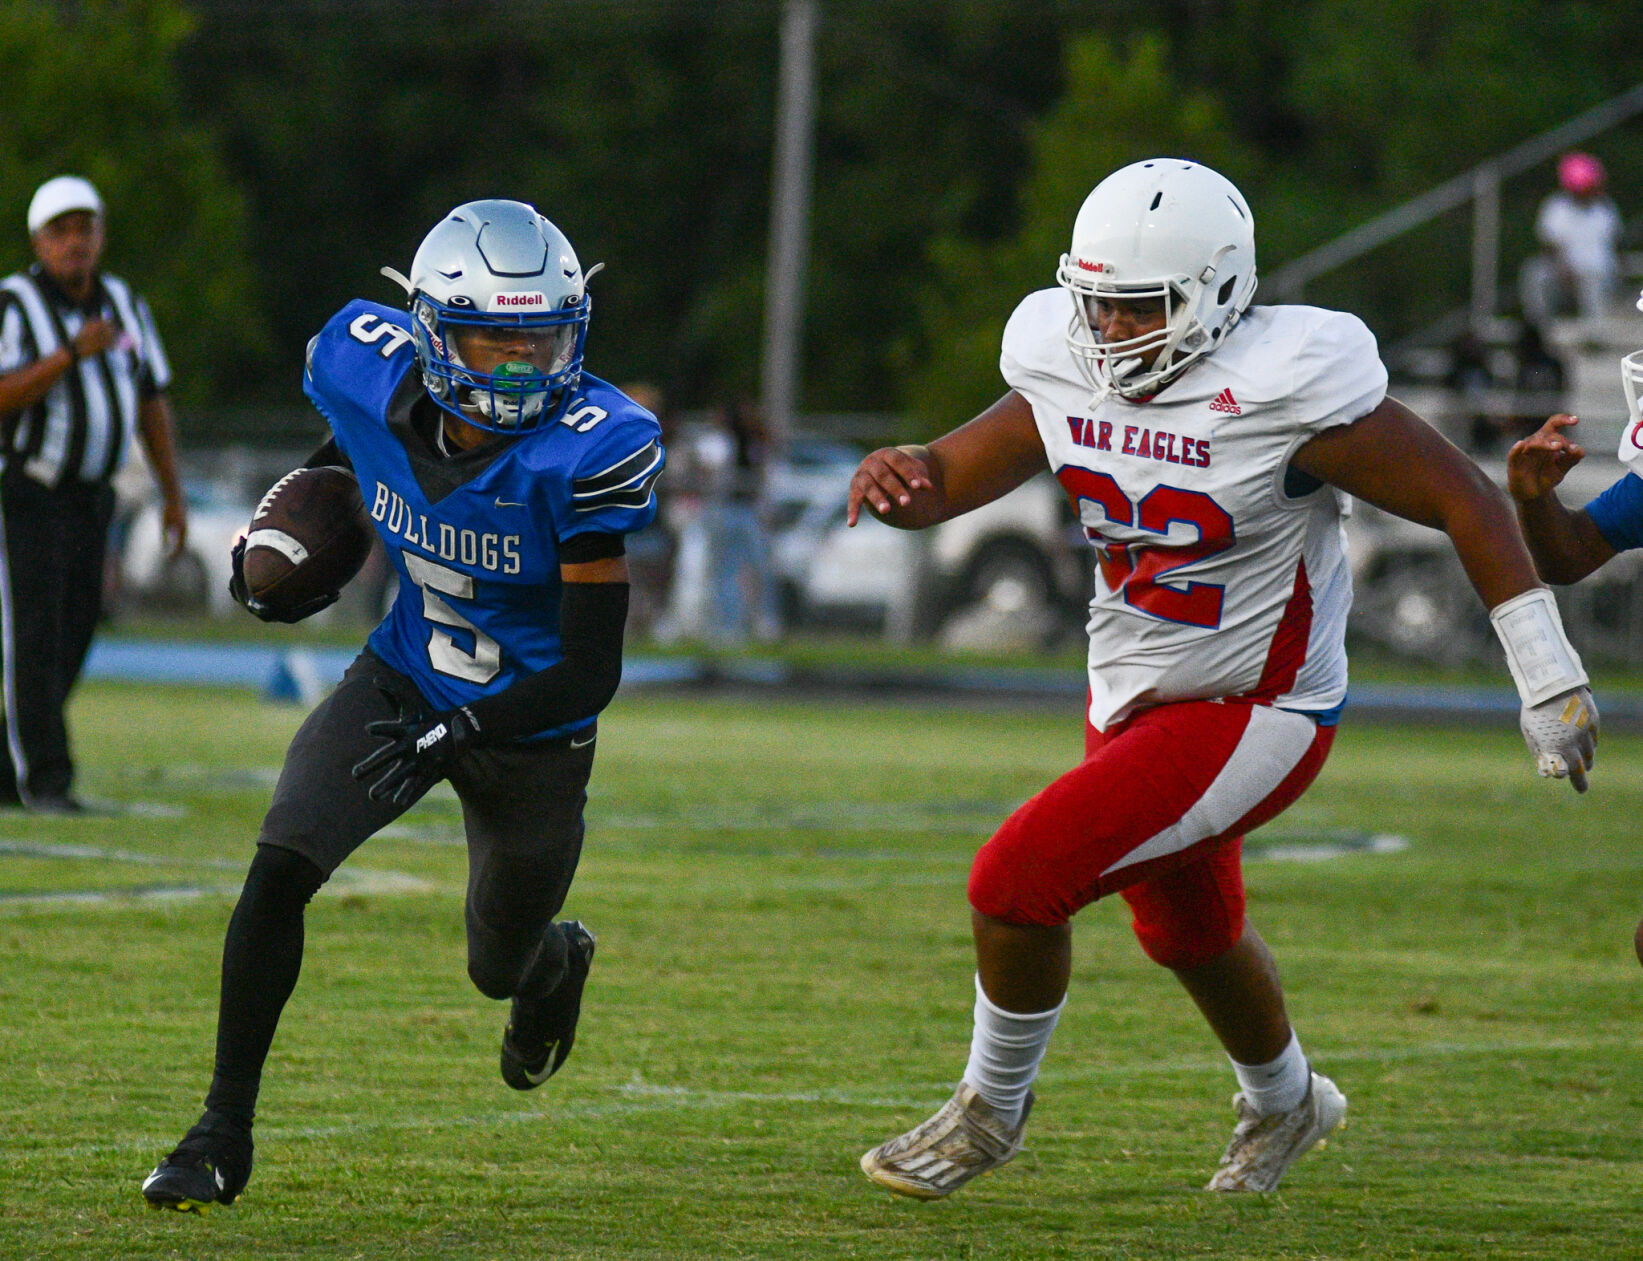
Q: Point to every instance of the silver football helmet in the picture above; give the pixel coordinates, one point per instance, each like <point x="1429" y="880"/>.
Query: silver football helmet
<point x="499" y="309"/>
<point x="1164" y="228"/>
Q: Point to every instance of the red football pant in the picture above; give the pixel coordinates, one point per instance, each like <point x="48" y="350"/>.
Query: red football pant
<point x="1157" y="810"/>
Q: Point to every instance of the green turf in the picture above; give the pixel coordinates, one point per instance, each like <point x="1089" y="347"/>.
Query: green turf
<point x="783" y="979"/>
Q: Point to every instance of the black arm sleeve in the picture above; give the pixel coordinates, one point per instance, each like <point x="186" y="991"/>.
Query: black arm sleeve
<point x="329" y="456"/>
<point x="592" y="617"/>
<point x="581" y="548"/>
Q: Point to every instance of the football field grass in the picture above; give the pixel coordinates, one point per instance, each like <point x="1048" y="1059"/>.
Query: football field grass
<point x="784" y="978"/>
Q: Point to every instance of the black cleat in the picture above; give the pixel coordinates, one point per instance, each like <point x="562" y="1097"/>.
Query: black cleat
<point x="528" y="1062"/>
<point x="210" y="1166"/>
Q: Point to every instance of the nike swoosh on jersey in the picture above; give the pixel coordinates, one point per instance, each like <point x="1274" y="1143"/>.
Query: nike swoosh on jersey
<point x="582" y="744"/>
<point x="508" y="503"/>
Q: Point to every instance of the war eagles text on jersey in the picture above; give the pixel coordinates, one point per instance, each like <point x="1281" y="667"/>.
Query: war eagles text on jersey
<point x="1218" y="573"/>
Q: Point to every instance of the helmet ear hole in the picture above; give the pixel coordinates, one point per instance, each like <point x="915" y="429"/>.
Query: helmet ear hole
<point x="1226" y="291"/>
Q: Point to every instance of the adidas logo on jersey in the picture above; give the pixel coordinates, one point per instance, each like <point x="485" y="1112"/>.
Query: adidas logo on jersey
<point x="1224" y="402"/>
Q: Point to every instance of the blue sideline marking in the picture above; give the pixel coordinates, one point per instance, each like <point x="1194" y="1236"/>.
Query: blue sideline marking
<point x="305" y="674"/>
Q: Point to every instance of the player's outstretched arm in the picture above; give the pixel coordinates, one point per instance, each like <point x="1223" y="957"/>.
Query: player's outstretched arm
<point x="1396" y="461"/>
<point x="914" y="487"/>
<point x="1566" y="545"/>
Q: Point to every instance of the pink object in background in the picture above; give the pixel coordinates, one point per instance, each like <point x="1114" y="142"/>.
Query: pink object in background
<point x="1580" y="174"/>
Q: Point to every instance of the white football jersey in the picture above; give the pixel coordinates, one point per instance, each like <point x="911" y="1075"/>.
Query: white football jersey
<point x="1212" y="579"/>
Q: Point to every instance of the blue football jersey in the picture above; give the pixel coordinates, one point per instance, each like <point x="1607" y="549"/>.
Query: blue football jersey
<point x="478" y="602"/>
<point x="1618" y="513"/>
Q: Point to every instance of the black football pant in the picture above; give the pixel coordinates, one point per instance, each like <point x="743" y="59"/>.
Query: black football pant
<point x="51" y="591"/>
<point x="522" y="812"/>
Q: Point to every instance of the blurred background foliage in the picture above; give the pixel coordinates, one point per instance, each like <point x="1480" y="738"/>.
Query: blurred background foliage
<point x="262" y="160"/>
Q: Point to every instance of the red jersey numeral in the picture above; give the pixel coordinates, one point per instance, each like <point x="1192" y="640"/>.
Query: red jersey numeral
<point x="1138" y="568"/>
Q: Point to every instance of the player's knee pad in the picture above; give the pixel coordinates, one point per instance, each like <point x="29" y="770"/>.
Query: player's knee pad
<point x="280" y="882"/>
<point x="489" y="979"/>
<point x="521" y="960"/>
<point x="1180" y="945"/>
<point x="1186" y="917"/>
<point x="1006" y="885"/>
<point x="495" y="973"/>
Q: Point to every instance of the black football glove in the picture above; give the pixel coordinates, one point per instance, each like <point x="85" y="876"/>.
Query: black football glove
<point x="420" y="752"/>
<point x="236" y="588"/>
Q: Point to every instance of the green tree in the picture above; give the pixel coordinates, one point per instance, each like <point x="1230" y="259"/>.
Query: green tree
<point x="1359" y="107"/>
<point x="89" y="89"/>
<point x="645" y="132"/>
<point x="1118" y="106"/>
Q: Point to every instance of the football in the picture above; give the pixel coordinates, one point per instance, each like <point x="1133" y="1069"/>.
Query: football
<point x="307" y="539"/>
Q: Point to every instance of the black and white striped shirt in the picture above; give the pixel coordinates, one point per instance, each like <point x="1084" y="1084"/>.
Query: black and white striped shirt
<point x="82" y="429"/>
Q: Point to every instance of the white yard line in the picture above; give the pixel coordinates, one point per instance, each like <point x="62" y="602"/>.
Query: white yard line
<point x="347" y="881"/>
<point x="357" y="880"/>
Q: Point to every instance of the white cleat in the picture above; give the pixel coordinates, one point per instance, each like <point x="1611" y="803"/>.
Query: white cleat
<point x="1264" y="1147"/>
<point x="962" y="1141"/>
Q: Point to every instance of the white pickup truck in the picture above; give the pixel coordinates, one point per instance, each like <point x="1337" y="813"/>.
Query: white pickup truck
<point x="1021" y="555"/>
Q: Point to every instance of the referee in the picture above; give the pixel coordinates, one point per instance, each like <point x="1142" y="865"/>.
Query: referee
<point x="82" y="370"/>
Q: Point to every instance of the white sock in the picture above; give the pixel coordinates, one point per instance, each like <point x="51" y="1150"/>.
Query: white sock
<point x="1005" y="1052"/>
<point x="1278" y="1085"/>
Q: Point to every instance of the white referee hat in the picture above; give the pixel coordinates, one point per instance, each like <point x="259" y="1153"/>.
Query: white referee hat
<point x="58" y="197"/>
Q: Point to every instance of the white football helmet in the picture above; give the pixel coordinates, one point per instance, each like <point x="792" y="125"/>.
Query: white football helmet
<point x="1631" y="376"/>
<point x="499" y="265"/>
<point x="1164" y="228"/>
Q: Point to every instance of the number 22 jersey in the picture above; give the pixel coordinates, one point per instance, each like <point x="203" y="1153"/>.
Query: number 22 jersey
<point x="1220" y="573"/>
<point x="478" y="562"/>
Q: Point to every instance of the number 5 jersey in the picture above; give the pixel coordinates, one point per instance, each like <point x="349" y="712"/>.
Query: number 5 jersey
<point x="1221" y="571"/>
<point x="475" y="539"/>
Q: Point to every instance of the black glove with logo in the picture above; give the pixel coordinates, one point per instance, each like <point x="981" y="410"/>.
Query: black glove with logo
<point x="264" y="612"/>
<point x="420" y="752"/>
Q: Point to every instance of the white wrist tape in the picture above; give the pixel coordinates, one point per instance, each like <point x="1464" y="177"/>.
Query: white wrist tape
<point x="1542" y="661"/>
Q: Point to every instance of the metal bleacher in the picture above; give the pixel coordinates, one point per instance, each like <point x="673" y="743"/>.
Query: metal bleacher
<point x="1412" y="597"/>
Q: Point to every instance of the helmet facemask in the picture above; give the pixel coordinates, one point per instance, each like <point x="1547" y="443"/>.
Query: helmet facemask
<point x="1631" y="377"/>
<point x="499" y="316"/>
<point x="1198" y="313"/>
<point x="535" y="361"/>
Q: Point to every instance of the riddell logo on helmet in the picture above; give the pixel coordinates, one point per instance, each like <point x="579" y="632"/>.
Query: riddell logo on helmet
<point x="1085" y="265"/>
<point x="503" y="301"/>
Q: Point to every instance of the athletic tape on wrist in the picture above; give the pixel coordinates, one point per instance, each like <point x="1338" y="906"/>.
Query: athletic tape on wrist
<point x="1543" y="662"/>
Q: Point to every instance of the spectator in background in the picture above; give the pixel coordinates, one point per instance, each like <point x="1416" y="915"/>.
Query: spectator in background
<point x="686" y="613"/>
<point x="1538" y="381"/>
<point x="82" y="369"/>
<point x="724" y="589"/>
<point x="1579" y="228"/>
<point x="1471" y="381"/>
<point x="651" y="550"/>
<point x="745" y="600"/>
